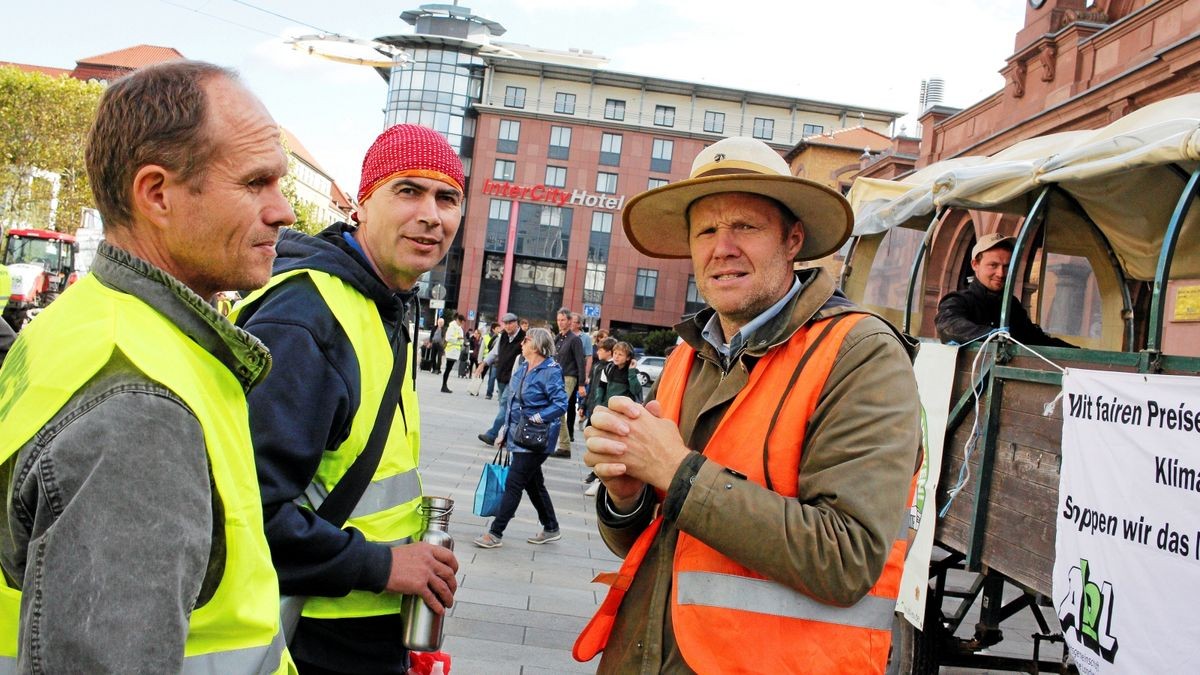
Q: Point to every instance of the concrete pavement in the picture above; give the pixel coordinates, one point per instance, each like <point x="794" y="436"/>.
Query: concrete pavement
<point x="519" y="607"/>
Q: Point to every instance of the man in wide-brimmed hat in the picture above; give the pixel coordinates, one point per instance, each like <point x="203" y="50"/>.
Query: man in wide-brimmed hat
<point x="758" y="500"/>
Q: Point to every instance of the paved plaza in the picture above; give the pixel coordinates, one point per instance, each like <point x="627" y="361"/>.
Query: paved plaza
<point x="520" y="606"/>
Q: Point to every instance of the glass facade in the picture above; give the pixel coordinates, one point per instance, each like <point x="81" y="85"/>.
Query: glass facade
<point x="436" y="89"/>
<point x="536" y="285"/>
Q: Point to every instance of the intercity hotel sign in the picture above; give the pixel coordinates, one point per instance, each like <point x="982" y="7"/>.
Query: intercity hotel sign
<point x="552" y="195"/>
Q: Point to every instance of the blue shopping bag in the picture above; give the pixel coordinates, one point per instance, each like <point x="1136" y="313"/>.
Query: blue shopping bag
<point x="491" y="485"/>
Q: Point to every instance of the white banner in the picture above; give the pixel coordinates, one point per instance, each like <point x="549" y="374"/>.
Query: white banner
<point x="935" y="379"/>
<point x="1127" y="547"/>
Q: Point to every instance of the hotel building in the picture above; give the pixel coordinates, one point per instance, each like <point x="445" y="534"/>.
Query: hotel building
<point x="554" y="145"/>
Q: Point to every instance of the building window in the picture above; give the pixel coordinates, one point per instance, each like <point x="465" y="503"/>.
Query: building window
<point x="614" y="109"/>
<point x="510" y="133"/>
<point x="610" y="149"/>
<point x="514" y="97"/>
<point x="714" y="122"/>
<point x="564" y="103"/>
<point x="694" y="303"/>
<point x="645" y="289"/>
<point x="499" y="211"/>
<point x="593" y="282"/>
<point x="606" y="182"/>
<point x="560" y="142"/>
<point x="556" y="176"/>
<point x="812" y="130"/>
<point x="655" y="182"/>
<point x="660" y="155"/>
<point x="602" y="221"/>
<point x="764" y="128"/>
<point x="552" y="216"/>
<point x="542" y="232"/>
<point x="664" y="115"/>
<point x="506" y="170"/>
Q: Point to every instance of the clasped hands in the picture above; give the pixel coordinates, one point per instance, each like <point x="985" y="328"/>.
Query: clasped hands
<point x="630" y="446"/>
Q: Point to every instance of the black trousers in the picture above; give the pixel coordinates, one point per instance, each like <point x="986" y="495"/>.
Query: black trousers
<point x="571" y="407"/>
<point x="525" y="475"/>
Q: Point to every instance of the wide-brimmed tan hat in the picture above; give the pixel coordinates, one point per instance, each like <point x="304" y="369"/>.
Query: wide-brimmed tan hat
<point x="656" y="220"/>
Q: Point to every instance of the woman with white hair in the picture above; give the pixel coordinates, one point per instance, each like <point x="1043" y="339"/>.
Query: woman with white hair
<point x="538" y="400"/>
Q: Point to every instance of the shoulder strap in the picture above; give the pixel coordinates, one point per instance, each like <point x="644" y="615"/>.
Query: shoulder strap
<point x="344" y="496"/>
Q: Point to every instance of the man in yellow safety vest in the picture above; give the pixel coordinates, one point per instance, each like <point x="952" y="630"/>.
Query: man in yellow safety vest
<point x="339" y="319"/>
<point x="132" y="536"/>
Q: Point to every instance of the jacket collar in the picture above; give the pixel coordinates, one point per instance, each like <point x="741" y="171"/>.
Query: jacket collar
<point x="817" y="289"/>
<point x="242" y="353"/>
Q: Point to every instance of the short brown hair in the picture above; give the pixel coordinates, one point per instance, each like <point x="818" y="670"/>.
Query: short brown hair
<point x="624" y="347"/>
<point x="156" y="115"/>
<point x="607" y="344"/>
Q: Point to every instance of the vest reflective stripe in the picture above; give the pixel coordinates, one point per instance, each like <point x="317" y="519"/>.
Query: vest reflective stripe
<point x="90" y="322"/>
<point x="763" y="596"/>
<point x="379" y="495"/>
<point x="387" y="511"/>
<point x="248" y="660"/>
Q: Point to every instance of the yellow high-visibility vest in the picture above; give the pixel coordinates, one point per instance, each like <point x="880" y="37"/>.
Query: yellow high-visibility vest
<point x="237" y="631"/>
<point x="387" y="512"/>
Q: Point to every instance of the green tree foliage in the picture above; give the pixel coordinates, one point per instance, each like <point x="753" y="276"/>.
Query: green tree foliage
<point x="307" y="215"/>
<point x="657" y="341"/>
<point x="43" y="130"/>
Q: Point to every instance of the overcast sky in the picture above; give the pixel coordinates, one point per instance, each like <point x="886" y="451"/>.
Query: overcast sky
<point x="871" y="53"/>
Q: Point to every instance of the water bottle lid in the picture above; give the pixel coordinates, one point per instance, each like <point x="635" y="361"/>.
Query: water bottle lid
<point x="436" y="508"/>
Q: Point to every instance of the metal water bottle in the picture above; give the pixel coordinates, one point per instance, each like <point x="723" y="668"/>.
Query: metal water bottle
<point x="423" y="627"/>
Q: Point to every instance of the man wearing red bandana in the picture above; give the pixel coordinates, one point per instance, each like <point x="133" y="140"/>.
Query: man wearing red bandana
<point x="338" y="317"/>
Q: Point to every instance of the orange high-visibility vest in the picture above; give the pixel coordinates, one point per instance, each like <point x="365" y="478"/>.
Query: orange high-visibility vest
<point x="726" y="617"/>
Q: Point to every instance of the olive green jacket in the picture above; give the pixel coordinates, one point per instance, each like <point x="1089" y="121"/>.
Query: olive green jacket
<point x="831" y="542"/>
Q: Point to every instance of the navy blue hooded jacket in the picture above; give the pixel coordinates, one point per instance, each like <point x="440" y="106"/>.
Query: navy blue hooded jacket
<point x="304" y="407"/>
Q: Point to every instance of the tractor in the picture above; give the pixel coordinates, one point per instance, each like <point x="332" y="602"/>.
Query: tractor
<point x="41" y="264"/>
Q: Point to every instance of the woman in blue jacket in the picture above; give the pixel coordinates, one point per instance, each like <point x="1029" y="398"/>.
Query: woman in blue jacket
<point x="537" y="395"/>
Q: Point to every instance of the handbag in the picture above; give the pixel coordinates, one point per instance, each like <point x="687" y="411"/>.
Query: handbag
<point x="529" y="434"/>
<point x="532" y="435"/>
<point x="490" y="489"/>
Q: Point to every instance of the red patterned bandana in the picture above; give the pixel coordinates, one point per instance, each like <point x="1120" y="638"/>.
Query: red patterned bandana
<point x="409" y="150"/>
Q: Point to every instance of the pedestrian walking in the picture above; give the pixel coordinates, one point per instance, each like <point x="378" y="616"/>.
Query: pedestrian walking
<point x="537" y="396"/>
